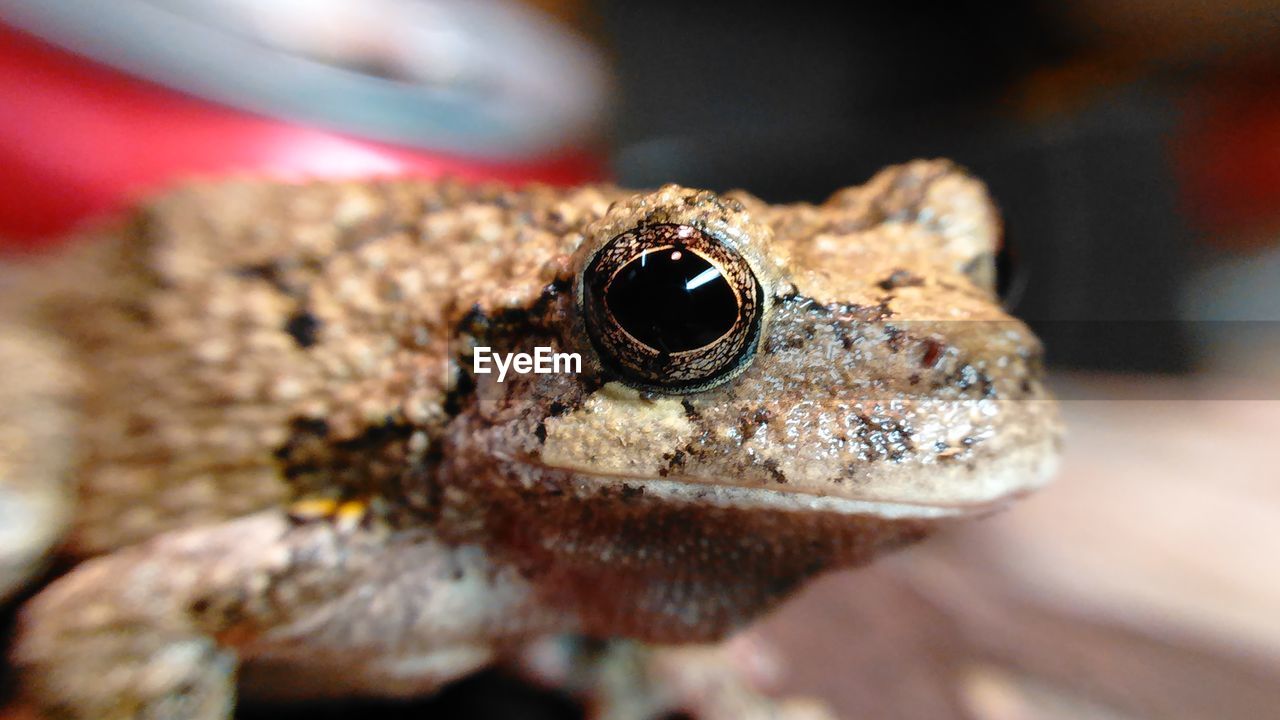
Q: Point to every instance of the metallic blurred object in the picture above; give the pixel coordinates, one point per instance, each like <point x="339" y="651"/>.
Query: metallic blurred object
<point x="485" y="78"/>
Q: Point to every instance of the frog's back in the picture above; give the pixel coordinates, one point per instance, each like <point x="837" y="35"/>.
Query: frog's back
<point x="237" y="339"/>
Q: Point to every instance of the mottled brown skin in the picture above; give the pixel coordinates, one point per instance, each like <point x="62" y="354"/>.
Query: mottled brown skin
<point x="245" y="353"/>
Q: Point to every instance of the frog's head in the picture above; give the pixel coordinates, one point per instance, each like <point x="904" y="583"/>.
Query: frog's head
<point x="851" y="356"/>
<point x="842" y="366"/>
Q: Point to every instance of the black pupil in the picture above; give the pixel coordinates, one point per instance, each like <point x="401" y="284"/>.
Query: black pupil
<point x="672" y="299"/>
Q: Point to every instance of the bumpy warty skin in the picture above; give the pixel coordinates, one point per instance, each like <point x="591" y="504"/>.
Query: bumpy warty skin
<point x="248" y="347"/>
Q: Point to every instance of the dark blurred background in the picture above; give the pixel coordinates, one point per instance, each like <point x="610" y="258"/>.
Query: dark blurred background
<point x="1133" y="147"/>
<point x="1118" y="138"/>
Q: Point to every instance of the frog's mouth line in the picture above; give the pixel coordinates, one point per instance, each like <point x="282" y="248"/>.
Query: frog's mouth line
<point x="738" y="497"/>
<point x="731" y="496"/>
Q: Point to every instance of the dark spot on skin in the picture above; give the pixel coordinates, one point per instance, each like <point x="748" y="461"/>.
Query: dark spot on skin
<point x="525" y="321"/>
<point x="303" y="327"/>
<point x="896" y="336"/>
<point x="310" y="426"/>
<point x="969" y="377"/>
<point x="590" y="383"/>
<point x="276" y="274"/>
<point x="201" y="606"/>
<point x="378" y="435"/>
<point x="541" y="432"/>
<point x="269" y="272"/>
<point x="900" y="278"/>
<point x="852" y="313"/>
<point x="474" y="322"/>
<point x="752" y="422"/>
<point x="509" y="318"/>
<point x="461" y="390"/>
<point x="689" y="410"/>
<point x="568" y="403"/>
<point x="914" y="379"/>
<point x="1025" y="386"/>
<point x="885" y="437"/>
<point x="775" y="472"/>
<point x="375" y="462"/>
<point x="674" y="462"/>
<point x="630" y="492"/>
<point x="848" y="334"/>
<point x="932" y="353"/>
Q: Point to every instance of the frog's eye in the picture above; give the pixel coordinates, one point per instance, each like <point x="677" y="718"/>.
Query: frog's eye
<point x="669" y="307"/>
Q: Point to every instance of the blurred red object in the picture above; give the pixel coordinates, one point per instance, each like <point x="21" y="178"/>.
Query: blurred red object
<point x="1228" y="157"/>
<point x="78" y="139"/>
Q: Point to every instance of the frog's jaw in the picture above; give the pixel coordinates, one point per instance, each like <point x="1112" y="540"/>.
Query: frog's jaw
<point x="657" y="560"/>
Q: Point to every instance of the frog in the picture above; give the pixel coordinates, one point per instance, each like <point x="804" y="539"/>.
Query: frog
<point x="250" y="419"/>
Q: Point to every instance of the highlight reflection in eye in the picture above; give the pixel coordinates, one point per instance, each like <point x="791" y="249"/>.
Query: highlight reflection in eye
<point x="701" y="278"/>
